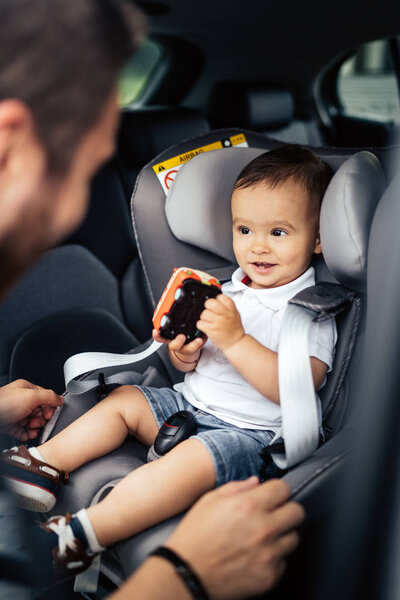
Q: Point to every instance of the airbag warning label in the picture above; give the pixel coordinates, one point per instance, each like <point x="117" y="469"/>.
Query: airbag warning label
<point x="167" y="170"/>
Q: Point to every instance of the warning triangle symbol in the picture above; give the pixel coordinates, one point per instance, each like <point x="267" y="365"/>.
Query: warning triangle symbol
<point x="161" y="168"/>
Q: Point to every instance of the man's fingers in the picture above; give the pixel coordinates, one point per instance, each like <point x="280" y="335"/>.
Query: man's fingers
<point x="33" y="433"/>
<point x="47" y="412"/>
<point x="271" y="494"/>
<point x="283" y="519"/>
<point x="22" y="435"/>
<point x="233" y="487"/>
<point x="41" y="396"/>
<point x="37" y="412"/>
<point x="37" y="423"/>
<point x="286" y="544"/>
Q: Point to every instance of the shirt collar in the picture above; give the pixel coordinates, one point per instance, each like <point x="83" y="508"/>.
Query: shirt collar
<point x="274" y="298"/>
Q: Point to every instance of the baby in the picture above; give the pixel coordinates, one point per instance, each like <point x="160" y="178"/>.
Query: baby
<point x="231" y="382"/>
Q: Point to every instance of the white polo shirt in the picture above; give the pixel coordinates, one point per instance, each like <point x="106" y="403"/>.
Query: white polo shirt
<point x="216" y="387"/>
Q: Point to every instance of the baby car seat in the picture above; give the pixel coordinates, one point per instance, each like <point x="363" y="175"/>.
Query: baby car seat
<point x="189" y="224"/>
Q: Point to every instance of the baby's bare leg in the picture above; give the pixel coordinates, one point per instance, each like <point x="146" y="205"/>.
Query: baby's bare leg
<point x="102" y="429"/>
<point x="154" y="492"/>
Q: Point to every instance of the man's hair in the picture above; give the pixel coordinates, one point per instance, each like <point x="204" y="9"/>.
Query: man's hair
<point x="289" y="162"/>
<point x="62" y="59"/>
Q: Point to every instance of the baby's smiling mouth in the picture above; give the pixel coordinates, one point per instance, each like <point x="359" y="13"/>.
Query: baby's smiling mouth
<point x="262" y="265"/>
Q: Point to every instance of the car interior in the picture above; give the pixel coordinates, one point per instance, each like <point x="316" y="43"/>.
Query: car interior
<point x="213" y="86"/>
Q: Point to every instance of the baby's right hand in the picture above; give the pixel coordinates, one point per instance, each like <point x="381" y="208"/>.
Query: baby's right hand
<point x="178" y="343"/>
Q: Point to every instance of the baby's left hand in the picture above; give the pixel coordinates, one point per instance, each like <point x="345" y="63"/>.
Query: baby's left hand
<point x="221" y="322"/>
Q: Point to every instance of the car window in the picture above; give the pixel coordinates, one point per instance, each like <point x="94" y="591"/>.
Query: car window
<point x="139" y="71"/>
<point x="367" y="85"/>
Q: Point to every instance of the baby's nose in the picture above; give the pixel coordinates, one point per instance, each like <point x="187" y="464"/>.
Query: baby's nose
<point x="259" y="248"/>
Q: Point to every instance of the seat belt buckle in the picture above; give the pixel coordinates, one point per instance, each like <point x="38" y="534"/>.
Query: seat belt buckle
<point x="101" y="388"/>
<point x="105" y="388"/>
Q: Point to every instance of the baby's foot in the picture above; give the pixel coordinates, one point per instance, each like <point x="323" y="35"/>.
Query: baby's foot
<point x="70" y="553"/>
<point x="35" y="482"/>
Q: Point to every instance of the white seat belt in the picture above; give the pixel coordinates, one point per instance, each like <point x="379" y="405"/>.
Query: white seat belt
<point x="300" y="420"/>
<point x="299" y="406"/>
<point x="84" y="362"/>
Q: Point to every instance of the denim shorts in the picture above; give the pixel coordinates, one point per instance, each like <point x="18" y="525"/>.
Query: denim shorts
<point x="234" y="451"/>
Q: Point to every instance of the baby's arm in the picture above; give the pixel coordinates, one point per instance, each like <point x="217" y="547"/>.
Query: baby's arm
<point x="221" y="322"/>
<point x="183" y="357"/>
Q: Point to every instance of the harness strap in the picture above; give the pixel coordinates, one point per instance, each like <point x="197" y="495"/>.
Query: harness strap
<point x="300" y="418"/>
<point x="85" y="362"/>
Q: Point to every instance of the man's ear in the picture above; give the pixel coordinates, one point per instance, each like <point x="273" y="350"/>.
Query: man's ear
<point x="18" y="139"/>
<point x="318" y="247"/>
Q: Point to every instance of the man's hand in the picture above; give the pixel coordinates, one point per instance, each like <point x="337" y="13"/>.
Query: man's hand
<point x="25" y="408"/>
<point x="221" y="322"/>
<point x="238" y="536"/>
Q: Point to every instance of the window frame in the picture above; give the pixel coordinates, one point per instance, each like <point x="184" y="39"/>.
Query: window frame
<point x="325" y="89"/>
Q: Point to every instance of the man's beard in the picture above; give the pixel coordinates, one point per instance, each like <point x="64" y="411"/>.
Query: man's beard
<point x="19" y="249"/>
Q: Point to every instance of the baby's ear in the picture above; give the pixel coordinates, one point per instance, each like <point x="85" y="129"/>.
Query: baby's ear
<point x="318" y="247"/>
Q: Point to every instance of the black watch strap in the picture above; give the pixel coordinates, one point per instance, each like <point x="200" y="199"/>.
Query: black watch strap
<point x="185" y="572"/>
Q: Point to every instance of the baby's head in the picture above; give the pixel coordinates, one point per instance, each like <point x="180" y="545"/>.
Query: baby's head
<point x="276" y="203"/>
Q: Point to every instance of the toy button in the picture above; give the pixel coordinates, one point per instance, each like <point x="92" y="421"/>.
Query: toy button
<point x="170" y="430"/>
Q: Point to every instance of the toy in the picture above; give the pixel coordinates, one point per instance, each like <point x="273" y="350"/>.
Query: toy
<point x="178" y="427"/>
<point x="182" y="302"/>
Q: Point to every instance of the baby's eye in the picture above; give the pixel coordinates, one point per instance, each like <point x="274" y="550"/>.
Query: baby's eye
<point x="244" y="230"/>
<point x="278" y="232"/>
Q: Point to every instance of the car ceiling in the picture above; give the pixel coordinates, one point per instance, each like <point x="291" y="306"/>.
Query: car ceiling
<point x="283" y="41"/>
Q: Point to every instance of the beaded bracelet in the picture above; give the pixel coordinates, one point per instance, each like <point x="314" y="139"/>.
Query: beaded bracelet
<point x="185" y="572"/>
<point x="187" y="362"/>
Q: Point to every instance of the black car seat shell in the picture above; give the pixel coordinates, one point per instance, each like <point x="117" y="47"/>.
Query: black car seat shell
<point x="160" y="249"/>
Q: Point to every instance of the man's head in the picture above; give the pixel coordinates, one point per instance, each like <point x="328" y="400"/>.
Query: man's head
<point x="59" y="67"/>
<point x="62" y="60"/>
<point x="275" y="208"/>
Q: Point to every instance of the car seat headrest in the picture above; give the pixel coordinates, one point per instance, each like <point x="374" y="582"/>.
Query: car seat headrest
<point x="257" y="107"/>
<point x="346" y="215"/>
<point x="147" y="131"/>
<point x="198" y="208"/>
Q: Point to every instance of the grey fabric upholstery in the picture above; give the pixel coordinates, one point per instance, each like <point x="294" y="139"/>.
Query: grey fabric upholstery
<point x="205" y="221"/>
<point x="346" y="214"/>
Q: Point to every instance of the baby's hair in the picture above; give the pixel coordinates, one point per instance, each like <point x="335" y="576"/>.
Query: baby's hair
<point x="289" y="162"/>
